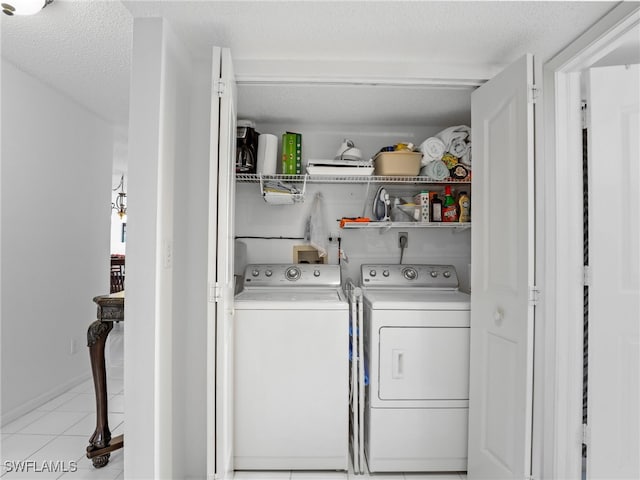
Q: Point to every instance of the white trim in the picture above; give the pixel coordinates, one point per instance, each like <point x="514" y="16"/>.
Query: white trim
<point x="367" y="72"/>
<point x="40" y="400"/>
<point x="563" y="276"/>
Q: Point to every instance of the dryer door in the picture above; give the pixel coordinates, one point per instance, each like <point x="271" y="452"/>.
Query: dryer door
<point x="424" y="363"/>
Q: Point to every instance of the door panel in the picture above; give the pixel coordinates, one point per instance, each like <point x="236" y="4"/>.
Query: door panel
<point x="500" y="395"/>
<point x="220" y="270"/>
<point x="424" y="363"/>
<point x="614" y="258"/>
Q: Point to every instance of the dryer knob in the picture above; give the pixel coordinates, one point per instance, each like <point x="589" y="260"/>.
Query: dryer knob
<point x="316" y="273"/>
<point x="372" y="273"/>
<point x="447" y="274"/>
<point x="268" y="273"/>
<point x="385" y="273"/>
<point x="255" y="273"/>
<point x="434" y="274"/>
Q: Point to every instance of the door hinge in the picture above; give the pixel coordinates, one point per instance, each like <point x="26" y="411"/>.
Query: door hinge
<point x="218" y="87"/>
<point x="586" y="434"/>
<point x="534" y="94"/>
<point x="534" y="295"/>
<point x="586" y="275"/>
<point x="214" y="292"/>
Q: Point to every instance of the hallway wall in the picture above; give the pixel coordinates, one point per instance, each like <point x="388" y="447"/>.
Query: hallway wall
<point x="55" y="204"/>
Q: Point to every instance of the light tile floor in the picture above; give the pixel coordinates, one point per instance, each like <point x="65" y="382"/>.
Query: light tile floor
<point x="47" y="439"/>
<point x="297" y="475"/>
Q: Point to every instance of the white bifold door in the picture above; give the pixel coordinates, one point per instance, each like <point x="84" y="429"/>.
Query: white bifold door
<point x="502" y="281"/>
<point x="613" y="395"/>
<point x="220" y="267"/>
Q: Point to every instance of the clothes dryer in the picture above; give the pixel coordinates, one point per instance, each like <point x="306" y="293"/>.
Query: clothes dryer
<point x="291" y="369"/>
<point x="416" y="333"/>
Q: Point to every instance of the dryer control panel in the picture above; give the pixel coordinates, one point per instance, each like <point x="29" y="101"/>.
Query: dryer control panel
<point x="423" y="276"/>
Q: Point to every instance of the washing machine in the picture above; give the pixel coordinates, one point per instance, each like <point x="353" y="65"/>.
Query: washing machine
<point x="291" y="380"/>
<point x="416" y="338"/>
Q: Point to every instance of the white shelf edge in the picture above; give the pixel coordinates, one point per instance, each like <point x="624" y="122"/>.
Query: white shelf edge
<point x="445" y="225"/>
<point x="254" y="178"/>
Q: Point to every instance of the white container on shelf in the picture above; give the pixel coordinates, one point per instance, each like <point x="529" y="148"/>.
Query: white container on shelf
<point x="267" y="154"/>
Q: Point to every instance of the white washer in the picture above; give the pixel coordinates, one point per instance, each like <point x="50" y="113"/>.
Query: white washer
<point x="291" y="369"/>
<point x="416" y="329"/>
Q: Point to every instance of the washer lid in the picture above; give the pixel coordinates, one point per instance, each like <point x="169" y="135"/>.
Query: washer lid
<point x="291" y="299"/>
<point x="417" y="299"/>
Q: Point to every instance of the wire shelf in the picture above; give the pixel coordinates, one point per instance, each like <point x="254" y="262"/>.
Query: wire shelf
<point x="388" y="225"/>
<point x="254" y="178"/>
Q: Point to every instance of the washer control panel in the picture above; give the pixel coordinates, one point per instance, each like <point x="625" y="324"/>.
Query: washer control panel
<point x="431" y="276"/>
<point x="289" y="275"/>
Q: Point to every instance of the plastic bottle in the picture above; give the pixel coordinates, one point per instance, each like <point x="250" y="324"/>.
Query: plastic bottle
<point x="449" y="208"/>
<point x="465" y="207"/>
<point x="436" y="209"/>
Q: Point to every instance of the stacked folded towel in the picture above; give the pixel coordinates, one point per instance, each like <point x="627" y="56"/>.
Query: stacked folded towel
<point x="432" y="148"/>
<point x="452" y="141"/>
<point x="436" y="169"/>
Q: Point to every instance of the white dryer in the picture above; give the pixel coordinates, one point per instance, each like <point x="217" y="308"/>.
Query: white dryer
<point x="291" y="369"/>
<point x="416" y="333"/>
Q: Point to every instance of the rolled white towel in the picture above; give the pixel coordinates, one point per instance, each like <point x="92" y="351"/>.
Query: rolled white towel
<point x="466" y="158"/>
<point x="433" y="148"/>
<point x="459" y="147"/>
<point x="436" y="169"/>
<point x="448" y="135"/>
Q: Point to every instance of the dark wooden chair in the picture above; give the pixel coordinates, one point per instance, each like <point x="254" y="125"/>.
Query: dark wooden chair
<point x="117" y="274"/>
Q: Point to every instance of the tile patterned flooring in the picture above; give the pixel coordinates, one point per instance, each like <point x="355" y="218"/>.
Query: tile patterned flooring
<point x="49" y="438"/>
<point x="346" y="476"/>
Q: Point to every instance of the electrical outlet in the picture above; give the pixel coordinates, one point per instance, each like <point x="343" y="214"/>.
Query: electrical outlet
<point x="403" y="239"/>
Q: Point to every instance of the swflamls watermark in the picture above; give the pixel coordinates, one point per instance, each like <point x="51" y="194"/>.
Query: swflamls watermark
<point x="32" y="466"/>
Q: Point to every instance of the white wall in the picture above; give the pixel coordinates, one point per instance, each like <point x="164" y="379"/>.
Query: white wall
<point x="164" y="359"/>
<point x="55" y="238"/>
<point x="190" y="301"/>
<point x="254" y="217"/>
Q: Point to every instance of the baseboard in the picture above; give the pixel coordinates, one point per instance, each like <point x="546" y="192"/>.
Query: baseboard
<point x="28" y="406"/>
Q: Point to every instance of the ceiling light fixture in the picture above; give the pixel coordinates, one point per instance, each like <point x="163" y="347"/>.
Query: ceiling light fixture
<point x="120" y="205"/>
<point x="24" y="7"/>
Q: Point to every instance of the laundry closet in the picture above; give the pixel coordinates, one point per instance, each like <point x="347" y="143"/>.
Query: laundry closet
<point x="373" y="115"/>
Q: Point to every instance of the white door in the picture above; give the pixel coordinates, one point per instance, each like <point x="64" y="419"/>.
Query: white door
<point x="613" y="395"/>
<point x="501" y="372"/>
<point x="220" y="268"/>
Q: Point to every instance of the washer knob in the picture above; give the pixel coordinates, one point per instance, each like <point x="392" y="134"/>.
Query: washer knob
<point x="255" y="273"/>
<point x="434" y="274"/>
<point x="292" y="273"/>
<point x="385" y="273"/>
<point x="268" y="273"/>
<point x="447" y="274"/>
<point x="372" y="273"/>
<point x="316" y="273"/>
<point x="410" y="273"/>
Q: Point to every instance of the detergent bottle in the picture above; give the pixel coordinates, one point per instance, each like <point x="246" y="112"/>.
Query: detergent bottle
<point x="465" y="207"/>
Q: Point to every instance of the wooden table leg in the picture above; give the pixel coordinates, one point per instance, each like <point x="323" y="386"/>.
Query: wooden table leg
<point x="101" y="438"/>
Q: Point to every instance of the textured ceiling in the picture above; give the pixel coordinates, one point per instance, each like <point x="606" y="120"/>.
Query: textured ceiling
<point x="83" y="48"/>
